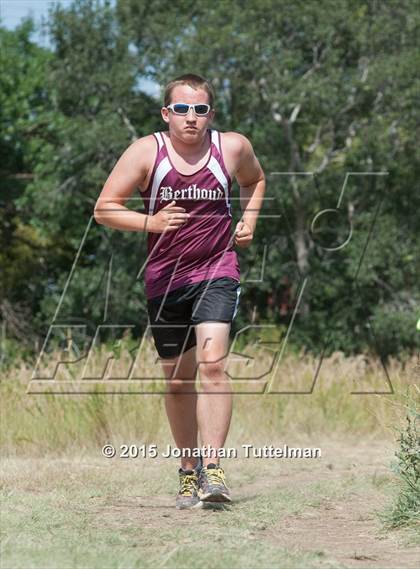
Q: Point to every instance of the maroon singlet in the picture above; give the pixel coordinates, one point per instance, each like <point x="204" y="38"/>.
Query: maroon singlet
<point x="202" y="248"/>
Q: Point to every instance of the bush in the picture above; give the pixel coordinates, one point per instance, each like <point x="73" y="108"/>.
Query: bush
<point x="406" y="509"/>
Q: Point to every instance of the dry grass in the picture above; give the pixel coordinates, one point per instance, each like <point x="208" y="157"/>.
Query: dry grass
<point x="89" y="512"/>
<point x="83" y="413"/>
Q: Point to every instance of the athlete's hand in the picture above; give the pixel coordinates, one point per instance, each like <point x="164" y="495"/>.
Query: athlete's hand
<point x="243" y="235"/>
<point x="169" y="218"/>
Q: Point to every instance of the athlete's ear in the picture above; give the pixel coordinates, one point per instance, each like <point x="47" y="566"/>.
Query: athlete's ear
<point x="165" y="114"/>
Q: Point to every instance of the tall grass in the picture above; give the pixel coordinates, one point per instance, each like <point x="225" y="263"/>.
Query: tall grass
<point x="406" y="509"/>
<point x="133" y="412"/>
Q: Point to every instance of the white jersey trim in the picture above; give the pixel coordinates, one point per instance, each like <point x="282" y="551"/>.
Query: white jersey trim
<point x="215" y="139"/>
<point x="161" y="171"/>
<point x="217" y="172"/>
<point x="159" y="137"/>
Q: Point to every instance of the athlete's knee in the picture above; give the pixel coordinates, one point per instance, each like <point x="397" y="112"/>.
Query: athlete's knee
<point x="213" y="370"/>
<point x="176" y="385"/>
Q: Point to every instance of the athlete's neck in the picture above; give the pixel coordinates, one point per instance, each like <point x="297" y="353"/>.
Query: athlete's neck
<point x="190" y="152"/>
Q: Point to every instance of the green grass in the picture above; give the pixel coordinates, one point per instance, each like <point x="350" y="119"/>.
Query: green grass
<point x="405" y="511"/>
<point x="92" y="516"/>
<point x="63" y="505"/>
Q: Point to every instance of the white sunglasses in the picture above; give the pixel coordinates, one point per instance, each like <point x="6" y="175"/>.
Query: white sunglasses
<point x="200" y="109"/>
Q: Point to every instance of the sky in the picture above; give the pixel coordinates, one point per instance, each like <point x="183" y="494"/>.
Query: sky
<point x="12" y="12"/>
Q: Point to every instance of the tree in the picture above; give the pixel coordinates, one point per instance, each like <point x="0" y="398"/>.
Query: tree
<point x="24" y="113"/>
<point x="325" y="88"/>
<point x="321" y="90"/>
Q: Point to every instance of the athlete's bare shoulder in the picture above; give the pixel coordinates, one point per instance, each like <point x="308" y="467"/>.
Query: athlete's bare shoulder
<point x="141" y="155"/>
<point x="132" y="170"/>
<point x="148" y="140"/>
<point x="144" y="147"/>
<point x="236" y="149"/>
<point x="233" y="142"/>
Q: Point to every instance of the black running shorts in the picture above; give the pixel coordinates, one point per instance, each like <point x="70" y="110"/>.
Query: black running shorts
<point x="172" y="319"/>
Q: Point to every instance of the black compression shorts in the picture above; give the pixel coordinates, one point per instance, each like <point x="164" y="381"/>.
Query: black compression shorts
<point x="172" y="318"/>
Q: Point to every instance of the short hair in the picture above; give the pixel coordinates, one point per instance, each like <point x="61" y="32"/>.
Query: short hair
<point x="194" y="81"/>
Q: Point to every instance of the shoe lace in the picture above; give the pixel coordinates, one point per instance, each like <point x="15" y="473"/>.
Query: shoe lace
<point x="215" y="476"/>
<point x="188" y="484"/>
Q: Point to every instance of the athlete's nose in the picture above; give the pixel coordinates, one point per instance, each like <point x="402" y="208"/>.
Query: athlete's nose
<point x="191" y="115"/>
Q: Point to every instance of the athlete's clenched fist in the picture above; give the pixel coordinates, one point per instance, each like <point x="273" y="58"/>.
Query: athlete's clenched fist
<point x="243" y="235"/>
<point x="169" y="218"/>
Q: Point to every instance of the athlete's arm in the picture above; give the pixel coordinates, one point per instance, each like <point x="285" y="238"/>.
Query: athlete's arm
<point x="251" y="180"/>
<point x="129" y="172"/>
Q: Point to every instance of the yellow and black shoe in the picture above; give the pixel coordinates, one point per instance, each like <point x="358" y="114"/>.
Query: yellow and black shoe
<point x="187" y="496"/>
<point x="212" y="484"/>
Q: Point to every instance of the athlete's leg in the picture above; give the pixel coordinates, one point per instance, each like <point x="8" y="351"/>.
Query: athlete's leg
<point x="214" y="406"/>
<point x="181" y="401"/>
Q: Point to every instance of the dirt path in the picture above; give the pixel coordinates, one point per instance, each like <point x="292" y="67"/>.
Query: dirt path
<point x="340" y="523"/>
<point x="347" y="533"/>
<point x="313" y="512"/>
<point x="347" y="528"/>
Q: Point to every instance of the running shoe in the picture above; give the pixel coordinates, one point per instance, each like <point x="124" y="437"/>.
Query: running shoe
<point x="212" y="484"/>
<point x="187" y="496"/>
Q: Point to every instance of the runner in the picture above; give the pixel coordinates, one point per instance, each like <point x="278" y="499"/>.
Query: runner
<point x="192" y="276"/>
